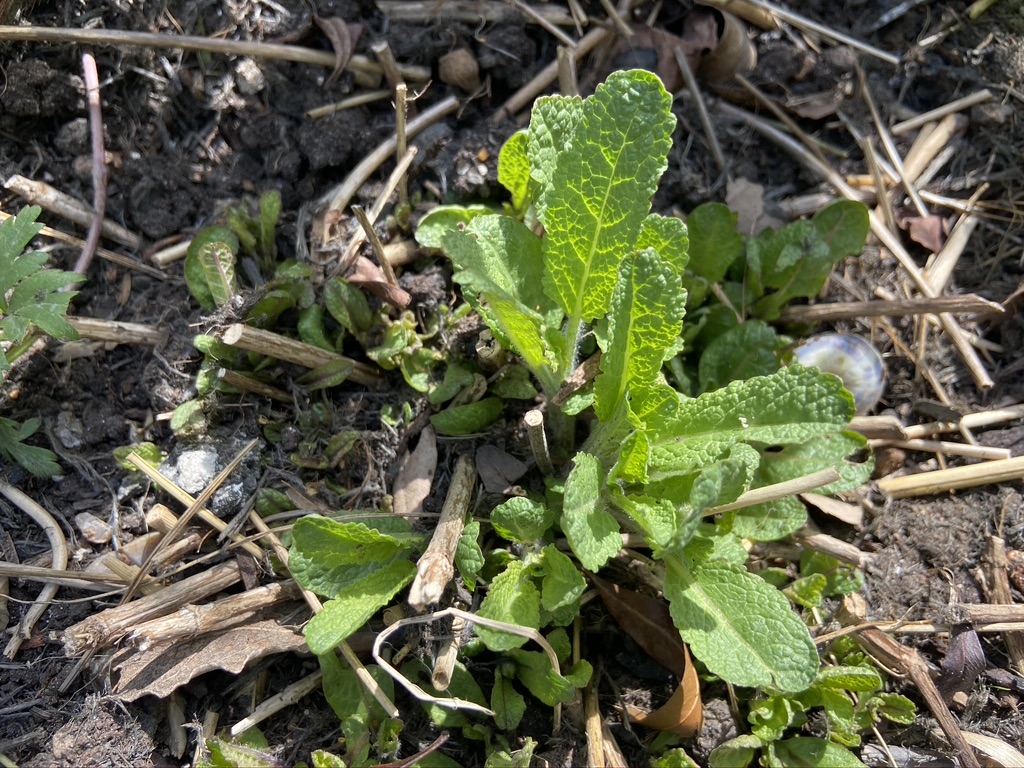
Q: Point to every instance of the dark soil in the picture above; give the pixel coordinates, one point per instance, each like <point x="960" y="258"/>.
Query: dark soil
<point x="190" y="134"/>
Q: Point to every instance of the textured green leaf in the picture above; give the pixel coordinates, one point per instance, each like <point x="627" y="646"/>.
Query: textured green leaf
<point x="767" y="522"/>
<point x="508" y="704"/>
<point x="667" y="235"/>
<point x="218" y="263"/>
<point x="553" y="125"/>
<point x="514" y="170"/>
<point x="645" y="319"/>
<point x="862" y="679"/>
<point x="469" y="558"/>
<point x="512" y="598"/>
<point x="270" y="212"/>
<point x="599" y="195"/>
<point x="49" y="317"/>
<point x="591" y="530"/>
<point x="195" y="272"/>
<point x="832" y="449"/>
<point x="521" y="519"/>
<point x="750" y="349"/>
<point x="656" y="518"/>
<point x="844" y="227"/>
<point x="499" y="251"/>
<point x="524" y="330"/>
<point x="467" y="419"/>
<point x="41" y="286"/>
<point x="740" y="627"/>
<point x="534" y="670"/>
<point x="562" y="586"/>
<point x="436" y="225"/>
<point x="735" y="753"/>
<point x="311" y="328"/>
<point x="807" y="591"/>
<point x="714" y="242"/>
<point x="804" y="751"/>
<point x="354" y="605"/>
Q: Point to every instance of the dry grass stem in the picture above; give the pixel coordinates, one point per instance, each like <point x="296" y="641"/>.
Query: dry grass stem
<point x="339" y="198"/>
<point x="884" y="203"/>
<point x="966" y="304"/>
<point x="760" y="17"/>
<point x="434" y="569"/>
<point x="470" y="12"/>
<point x="196" y="506"/>
<point x="942" y="480"/>
<point x="256" y="387"/>
<point x="394" y="181"/>
<point x="957" y="105"/>
<point x="170" y="254"/>
<point x="567" y="82"/>
<point x="702" y="111"/>
<point x="969" y="421"/>
<point x="444" y="665"/>
<point x="769" y="493"/>
<point x="998" y="567"/>
<point x="535" y="15"/>
<point x="118" y="331"/>
<point x="950" y="449"/>
<point x="376" y="245"/>
<point x="883" y="233"/>
<point x="188" y="500"/>
<point x="620" y="25"/>
<point x="593" y="730"/>
<point x="880" y="427"/>
<point x="401" y="144"/>
<point x="843" y="551"/>
<point x="367" y="97"/>
<point x="58" y="558"/>
<point x="930" y="143"/>
<point x="257" y="50"/>
<point x="95" y="582"/>
<point x="940" y="269"/>
<point x="99" y="166"/>
<point x="807" y="25"/>
<point x="109" y="626"/>
<point x="49" y="199"/>
<point x="282" y="700"/>
<point x="293" y="351"/>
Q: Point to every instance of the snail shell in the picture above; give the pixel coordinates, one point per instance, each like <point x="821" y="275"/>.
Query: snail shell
<point x="852" y="359"/>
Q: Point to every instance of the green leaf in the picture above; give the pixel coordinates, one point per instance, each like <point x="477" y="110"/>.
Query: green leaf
<point x="844" y="227"/>
<point x="740" y="627"/>
<point x="270" y="212"/>
<point x="668" y="236"/>
<point x="436" y="225"/>
<point x="218" y="263"/>
<point x="534" y="670"/>
<point x="591" y="530"/>
<point x="354" y="605"/>
<point x="645" y="319"/>
<point x="750" y="349"/>
<point x="553" y="124"/>
<point x="312" y="329"/>
<point x="348" y="305"/>
<point x="469" y="558"/>
<point x="15" y="235"/>
<point x="804" y="751"/>
<point x="842" y="579"/>
<point x="512" y="598"/>
<point x="514" y="170"/>
<point x="562" y="586"/>
<point x="861" y="679"/>
<point x="521" y="519"/>
<point x="891" y="706"/>
<point x="327" y="375"/>
<point x="508" y="704"/>
<point x="41" y="462"/>
<point x="524" y="330"/>
<point x="195" y="271"/>
<point x="735" y="753"/>
<point x="808" y="591"/>
<point x="714" y="242"/>
<point x="595" y="202"/>
<point x="767" y="522"/>
<point x="467" y="419"/>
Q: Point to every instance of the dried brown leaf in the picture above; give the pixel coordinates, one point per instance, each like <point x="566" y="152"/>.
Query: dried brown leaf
<point x="647" y="620"/>
<point x="683" y="713"/>
<point x="342" y="37"/>
<point x="368" y="275"/>
<point x="415" y="475"/>
<point x="498" y="470"/>
<point x="929" y="232"/>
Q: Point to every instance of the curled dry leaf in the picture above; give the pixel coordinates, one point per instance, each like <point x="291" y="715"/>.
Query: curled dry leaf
<point x="498" y="470"/>
<point x="930" y="232"/>
<point x="683" y="713"/>
<point x="341" y="35"/>
<point x="368" y="275"/>
<point x="733" y="53"/>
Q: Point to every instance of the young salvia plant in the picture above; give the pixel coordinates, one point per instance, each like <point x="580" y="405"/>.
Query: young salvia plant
<point x="578" y="255"/>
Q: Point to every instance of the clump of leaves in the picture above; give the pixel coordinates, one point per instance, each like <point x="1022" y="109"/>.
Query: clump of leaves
<point x="33" y="300"/>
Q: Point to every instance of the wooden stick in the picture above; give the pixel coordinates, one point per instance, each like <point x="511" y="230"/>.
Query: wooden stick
<point x="958" y="105"/>
<point x="967" y="304"/>
<point x="531" y="13"/>
<point x="941" y="480"/>
<point x="434" y="569"/>
<point x="778" y="491"/>
<point x="470" y="12"/>
<point x="293" y="351"/>
<point x="534" y="420"/>
<point x="930" y="143"/>
<point x="368" y="97"/>
<point x="108" y="626"/>
<point x="117" y="331"/>
<point x="948" y="448"/>
<point x="249" y="384"/>
<point x="257" y="50"/>
<point x="940" y="270"/>
<point x="290" y="695"/>
<point x="968" y="421"/>
<point x="1001" y="594"/>
<point x="47" y="197"/>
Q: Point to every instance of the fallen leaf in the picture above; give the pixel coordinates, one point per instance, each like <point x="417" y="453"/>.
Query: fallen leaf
<point x="733" y="52"/>
<point x="851" y="514"/>
<point x="683" y="713"/>
<point x="341" y="35"/>
<point x="368" y="275"/>
<point x="747" y="199"/>
<point x="498" y="470"/>
<point x="415" y="476"/>
<point x="816" y="106"/>
<point x="647" y="621"/>
<point x="930" y="231"/>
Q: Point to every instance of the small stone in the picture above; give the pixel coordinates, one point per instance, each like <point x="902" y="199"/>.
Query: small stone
<point x="249" y="78"/>
<point x="460" y="69"/>
<point x="69" y="430"/>
<point x="93" y="529"/>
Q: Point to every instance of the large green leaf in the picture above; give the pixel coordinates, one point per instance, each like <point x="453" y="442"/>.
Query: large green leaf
<point x="599" y="195"/>
<point x="514" y="170"/>
<point x="590" y="528"/>
<point x="739" y="626"/>
<point x="553" y="125"/>
<point x="646" y="317"/>
<point x="512" y="598"/>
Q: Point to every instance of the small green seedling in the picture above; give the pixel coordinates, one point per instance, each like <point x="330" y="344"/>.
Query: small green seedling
<point x="33" y="300"/>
